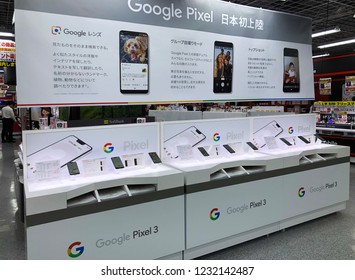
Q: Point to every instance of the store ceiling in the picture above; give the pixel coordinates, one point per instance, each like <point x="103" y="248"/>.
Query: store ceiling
<point x="325" y="14"/>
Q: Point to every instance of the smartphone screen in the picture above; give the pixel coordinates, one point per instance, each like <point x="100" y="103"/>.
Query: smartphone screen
<point x="134" y="62"/>
<point x="229" y="148"/>
<point x="222" y="67"/>
<point x="285" y="141"/>
<point x="251" y="145"/>
<point x="190" y="136"/>
<point x="154" y="156"/>
<point x="272" y="129"/>
<point x="304" y="140"/>
<point x="117" y="162"/>
<point x="291" y="76"/>
<point x="203" y="151"/>
<point x="73" y="168"/>
<point x="65" y="150"/>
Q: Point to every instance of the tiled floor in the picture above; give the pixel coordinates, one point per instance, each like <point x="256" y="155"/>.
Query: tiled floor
<point x="329" y="237"/>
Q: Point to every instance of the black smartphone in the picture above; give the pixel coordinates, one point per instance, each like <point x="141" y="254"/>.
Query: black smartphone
<point x="117" y="162"/>
<point x="203" y="151"/>
<point x="304" y="140"/>
<point x="229" y="149"/>
<point x="73" y="168"/>
<point x="322" y="140"/>
<point x="285" y="141"/>
<point x="154" y="156"/>
<point x="251" y="145"/>
<point x="291" y="75"/>
<point x="134" y="62"/>
<point x="222" y="67"/>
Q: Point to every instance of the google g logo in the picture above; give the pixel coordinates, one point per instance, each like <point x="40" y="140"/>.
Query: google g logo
<point x="216" y="137"/>
<point x="77" y="252"/>
<point x="214" y="214"/>
<point x="290" y="130"/>
<point x="301" y="192"/>
<point x="56" y="30"/>
<point x="108" y="148"/>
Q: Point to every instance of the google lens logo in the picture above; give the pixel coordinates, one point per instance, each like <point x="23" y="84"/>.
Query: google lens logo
<point x="108" y="148"/>
<point x="214" y="214"/>
<point x="216" y="137"/>
<point x="56" y="30"/>
<point x="75" y="252"/>
<point x="301" y="192"/>
<point x="290" y="130"/>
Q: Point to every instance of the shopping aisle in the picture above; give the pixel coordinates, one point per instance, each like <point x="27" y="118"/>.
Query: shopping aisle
<point x="330" y="237"/>
<point x="12" y="237"/>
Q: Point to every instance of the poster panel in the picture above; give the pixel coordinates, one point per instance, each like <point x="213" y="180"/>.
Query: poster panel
<point x="159" y="52"/>
<point x="325" y="86"/>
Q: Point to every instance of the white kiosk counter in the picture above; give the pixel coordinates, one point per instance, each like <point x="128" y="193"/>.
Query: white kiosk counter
<point x="117" y="204"/>
<point x="232" y="197"/>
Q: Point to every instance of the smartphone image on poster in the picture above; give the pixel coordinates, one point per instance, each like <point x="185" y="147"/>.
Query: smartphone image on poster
<point x="291" y="76"/>
<point x="222" y="67"/>
<point x="272" y="129"/>
<point x="190" y="136"/>
<point x="134" y="62"/>
<point x="65" y="150"/>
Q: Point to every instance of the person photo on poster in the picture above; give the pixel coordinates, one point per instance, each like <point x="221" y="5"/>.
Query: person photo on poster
<point x="291" y="80"/>
<point x="223" y="67"/>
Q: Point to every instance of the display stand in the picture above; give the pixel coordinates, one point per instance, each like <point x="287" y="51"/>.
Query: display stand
<point x="127" y="213"/>
<point x="232" y="198"/>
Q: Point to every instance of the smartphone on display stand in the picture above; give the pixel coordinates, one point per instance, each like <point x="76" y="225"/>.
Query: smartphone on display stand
<point x="229" y="148"/>
<point x="304" y="140"/>
<point x="117" y="162"/>
<point x="286" y="142"/>
<point x="190" y="136"/>
<point x="291" y="75"/>
<point x="252" y="146"/>
<point x="65" y="150"/>
<point x="222" y="67"/>
<point x="134" y="62"/>
<point x="203" y="151"/>
<point x="272" y="129"/>
<point x="154" y="157"/>
<point x="73" y="168"/>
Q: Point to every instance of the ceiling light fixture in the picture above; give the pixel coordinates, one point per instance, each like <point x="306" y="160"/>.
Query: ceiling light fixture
<point x="6" y="34"/>
<point x="350" y="41"/>
<point x="320" y="55"/>
<point x="326" y="32"/>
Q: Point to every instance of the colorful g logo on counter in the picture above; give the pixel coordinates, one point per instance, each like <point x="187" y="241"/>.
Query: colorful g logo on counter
<point x="216" y="137"/>
<point x="56" y="30"/>
<point x="108" y="148"/>
<point x="290" y="130"/>
<point x="214" y="214"/>
<point x="75" y="250"/>
<point x="301" y="192"/>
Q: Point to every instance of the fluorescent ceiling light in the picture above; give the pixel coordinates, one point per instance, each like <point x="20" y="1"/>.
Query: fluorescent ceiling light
<point x="320" y="55"/>
<point x="326" y="32"/>
<point x="350" y="41"/>
<point x="7" y="34"/>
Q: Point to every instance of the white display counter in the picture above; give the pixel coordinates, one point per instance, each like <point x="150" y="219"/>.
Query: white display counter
<point x="212" y="190"/>
<point x="232" y="198"/>
<point x="102" y="213"/>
